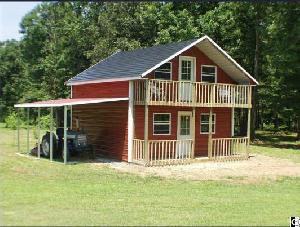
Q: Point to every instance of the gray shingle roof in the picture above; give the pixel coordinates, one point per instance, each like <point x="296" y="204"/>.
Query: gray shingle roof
<point x="126" y="64"/>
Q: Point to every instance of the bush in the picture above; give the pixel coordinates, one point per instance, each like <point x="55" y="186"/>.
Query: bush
<point x="11" y="121"/>
<point x="46" y="122"/>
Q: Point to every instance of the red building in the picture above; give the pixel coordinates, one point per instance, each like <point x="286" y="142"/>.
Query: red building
<point x="164" y="104"/>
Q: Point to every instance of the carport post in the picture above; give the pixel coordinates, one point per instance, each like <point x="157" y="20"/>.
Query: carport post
<point x="65" y="134"/>
<point x="28" y="129"/>
<point x="39" y="132"/>
<point x="51" y="134"/>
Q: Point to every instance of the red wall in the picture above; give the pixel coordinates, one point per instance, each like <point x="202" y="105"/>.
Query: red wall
<point x="222" y="130"/>
<point x="223" y="125"/>
<point x="201" y="59"/>
<point x="118" y="89"/>
<point x="106" y="127"/>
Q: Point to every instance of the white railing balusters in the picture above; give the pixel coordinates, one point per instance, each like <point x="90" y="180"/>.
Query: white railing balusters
<point x="198" y="94"/>
<point x="162" y="152"/>
<point x="230" y="148"/>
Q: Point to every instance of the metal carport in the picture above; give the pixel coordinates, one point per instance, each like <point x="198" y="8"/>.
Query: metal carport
<point x="57" y="103"/>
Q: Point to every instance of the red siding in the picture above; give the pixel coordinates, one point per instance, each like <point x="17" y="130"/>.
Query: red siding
<point x="223" y="125"/>
<point x="118" y="89"/>
<point x="223" y="128"/>
<point x="106" y="127"/>
<point x="201" y="59"/>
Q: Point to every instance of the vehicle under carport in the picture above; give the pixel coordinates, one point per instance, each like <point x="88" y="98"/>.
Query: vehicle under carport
<point x="53" y="144"/>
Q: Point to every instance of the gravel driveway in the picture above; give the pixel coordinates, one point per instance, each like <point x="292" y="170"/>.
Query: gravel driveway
<point x="258" y="167"/>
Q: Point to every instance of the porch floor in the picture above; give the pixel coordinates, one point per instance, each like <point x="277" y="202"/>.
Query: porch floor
<point x="257" y="168"/>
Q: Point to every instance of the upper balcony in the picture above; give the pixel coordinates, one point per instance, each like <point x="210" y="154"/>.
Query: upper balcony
<point x="192" y="94"/>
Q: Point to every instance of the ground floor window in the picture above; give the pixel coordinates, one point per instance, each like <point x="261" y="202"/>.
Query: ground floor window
<point x="204" y="123"/>
<point x="161" y="124"/>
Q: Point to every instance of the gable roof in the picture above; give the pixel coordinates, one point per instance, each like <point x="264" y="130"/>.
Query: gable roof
<point x="130" y="65"/>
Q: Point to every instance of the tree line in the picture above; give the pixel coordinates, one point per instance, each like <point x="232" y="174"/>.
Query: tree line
<point x="61" y="39"/>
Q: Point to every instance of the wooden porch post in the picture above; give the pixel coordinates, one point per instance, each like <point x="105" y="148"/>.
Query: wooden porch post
<point x="194" y="133"/>
<point x="212" y="102"/>
<point x="65" y="134"/>
<point x="39" y="132"/>
<point x="232" y="122"/>
<point x="28" y="110"/>
<point x="210" y="134"/>
<point x="51" y="134"/>
<point x="130" y="121"/>
<point x="146" y="128"/>
<point x="248" y="130"/>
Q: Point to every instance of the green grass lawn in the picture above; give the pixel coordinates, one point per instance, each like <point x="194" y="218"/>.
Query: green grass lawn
<point x="279" y="145"/>
<point x="37" y="192"/>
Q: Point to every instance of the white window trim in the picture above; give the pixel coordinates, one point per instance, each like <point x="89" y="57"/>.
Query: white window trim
<point x="171" y="71"/>
<point x="216" y="74"/>
<point x="214" y="125"/>
<point x="189" y="58"/>
<point x="170" y="131"/>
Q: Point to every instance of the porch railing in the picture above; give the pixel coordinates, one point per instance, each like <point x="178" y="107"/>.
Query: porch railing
<point x="163" y="152"/>
<point x="170" y="152"/>
<point x="182" y="93"/>
<point x="230" y="148"/>
<point x="139" y="150"/>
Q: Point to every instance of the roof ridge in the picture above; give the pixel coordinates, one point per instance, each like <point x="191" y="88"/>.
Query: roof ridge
<point x="159" y="45"/>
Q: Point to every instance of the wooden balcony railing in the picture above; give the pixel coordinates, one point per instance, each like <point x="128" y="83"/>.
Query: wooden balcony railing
<point x="181" y="93"/>
<point x="230" y="148"/>
<point x="163" y="152"/>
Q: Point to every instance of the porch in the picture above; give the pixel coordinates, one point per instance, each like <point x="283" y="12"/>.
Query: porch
<point x="195" y="94"/>
<point x="197" y="122"/>
<point x="169" y="152"/>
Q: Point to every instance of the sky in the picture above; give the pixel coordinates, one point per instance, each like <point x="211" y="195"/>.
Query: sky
<point x="11" y="14"/>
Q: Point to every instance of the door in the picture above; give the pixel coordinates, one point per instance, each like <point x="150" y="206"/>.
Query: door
<point x="186" y="77"/>
<point x="184" y="134"/>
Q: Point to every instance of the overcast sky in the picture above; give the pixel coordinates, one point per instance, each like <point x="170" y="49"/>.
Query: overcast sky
<point x="11" y="14"/>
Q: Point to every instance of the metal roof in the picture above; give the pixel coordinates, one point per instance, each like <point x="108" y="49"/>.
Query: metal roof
<point x="129" y="65"/>
<point x="69" y="102"/>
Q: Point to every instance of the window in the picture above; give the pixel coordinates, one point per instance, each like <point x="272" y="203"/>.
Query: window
<point x="204" y="123"/>
<point x="186" y="69"/>
<point x="161" y="124"/>
<point x="185" y="125"/>
<point x="208" y="73"/>
<point x="163" y="72"/>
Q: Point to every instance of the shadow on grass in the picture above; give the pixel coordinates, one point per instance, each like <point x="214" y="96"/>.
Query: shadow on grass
<point x="281" y="146"/>
<point x="280" y="140"/>
<point x="78" y="159"/>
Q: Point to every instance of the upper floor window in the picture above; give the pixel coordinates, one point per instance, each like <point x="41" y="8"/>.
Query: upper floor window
<point x="204" y="123"/>
<point x="163" y="72"/>
<point x="161" y="124"/>
<point x="186" y="68"/>
<point x="209" y="73"/>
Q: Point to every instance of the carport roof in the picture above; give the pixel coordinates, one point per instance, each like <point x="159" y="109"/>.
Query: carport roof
<point x="69" y="102"/>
